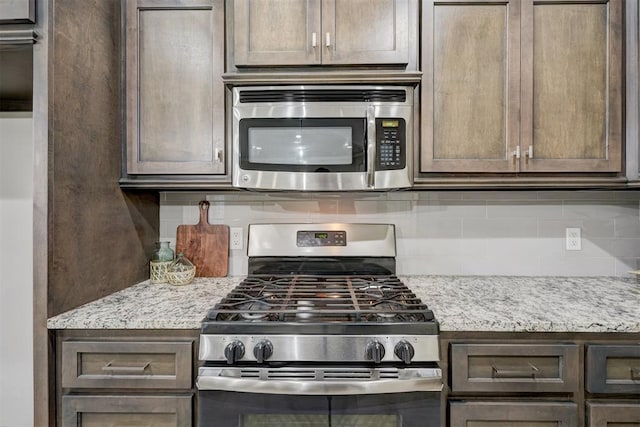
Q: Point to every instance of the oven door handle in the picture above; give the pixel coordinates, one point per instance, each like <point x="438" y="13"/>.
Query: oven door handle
<point x="371" y="146"/>
<point x="431" y="382"/>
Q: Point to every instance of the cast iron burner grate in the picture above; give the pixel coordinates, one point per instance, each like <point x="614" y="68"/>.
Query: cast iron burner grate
<point x="303" y="299"/>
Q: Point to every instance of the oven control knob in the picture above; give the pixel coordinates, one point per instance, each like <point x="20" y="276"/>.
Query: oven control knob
<point x="404" y="350"/>
<point x="374" y="351"/>
<point x="234" y="351"/>
<point x="263" y="350"/>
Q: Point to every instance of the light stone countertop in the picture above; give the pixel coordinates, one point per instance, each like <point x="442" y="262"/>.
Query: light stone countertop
<point x="460" y="303"/>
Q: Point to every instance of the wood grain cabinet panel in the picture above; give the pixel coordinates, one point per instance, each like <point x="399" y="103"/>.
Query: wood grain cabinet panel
<point x="508" y="368"/>
<point x="613" y="414"/>
<point x="613" y="369"/>
<point x="513" y="414"/>
<point x="365" y="31"/>
<point x="315" y="32"/>
<point x="175" y="94"/>
<point x="130" y="411"/>
<point x="118" y="364"/>
<point x="18" y="11"/>
<point x="470" y="86"/>
<point x="276" y="32"/>
<point x="521" y="86"/>
<point x="572" y="86"/>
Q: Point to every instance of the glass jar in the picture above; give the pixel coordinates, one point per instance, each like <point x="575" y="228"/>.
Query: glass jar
<point x="181" y="263"/>
<point x="162" y="252"/>
<point x="181" y="271"/>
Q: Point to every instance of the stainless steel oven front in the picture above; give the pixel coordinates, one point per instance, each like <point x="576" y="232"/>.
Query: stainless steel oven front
<point x="319" y="397"/>
<point x="322" y="138"/>
<point x="321" y="333"/>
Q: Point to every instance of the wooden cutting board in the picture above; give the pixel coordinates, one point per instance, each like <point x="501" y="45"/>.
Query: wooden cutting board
<point x="205" y="245"/>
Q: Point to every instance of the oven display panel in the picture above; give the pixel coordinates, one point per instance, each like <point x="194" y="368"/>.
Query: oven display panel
<point x="307" y="239"/>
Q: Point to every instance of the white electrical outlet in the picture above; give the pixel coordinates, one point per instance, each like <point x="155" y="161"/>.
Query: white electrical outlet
<point x="235" y="238"/>
<point x="574" y="240"/>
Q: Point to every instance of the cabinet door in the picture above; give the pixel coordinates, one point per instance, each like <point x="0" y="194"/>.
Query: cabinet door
<point x="17" y="11"/>
<point x="614" y="414"/>
<point x="470" y="86"/>
<point x="365" y="31"/>
<point x="572" y="82"/>
<point x="513" y="414"/>
<point x="613" y="369"/>
<point x="100" y="411"/>
<point x="276" y="32"/>
<point x="175" y="94"/>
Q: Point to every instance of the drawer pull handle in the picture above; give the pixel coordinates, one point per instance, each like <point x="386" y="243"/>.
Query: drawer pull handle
<point x="514" y="373"/>
<point x="124" y="369"/>
<point x="635" y="374"/>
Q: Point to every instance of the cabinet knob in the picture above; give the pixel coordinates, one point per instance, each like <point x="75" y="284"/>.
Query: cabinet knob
<point x="328" y="39"/>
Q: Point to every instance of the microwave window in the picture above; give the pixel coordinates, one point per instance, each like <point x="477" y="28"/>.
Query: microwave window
<point x="300" y="145"/>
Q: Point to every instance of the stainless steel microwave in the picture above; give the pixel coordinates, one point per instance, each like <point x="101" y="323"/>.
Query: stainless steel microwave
<point x="322" y="138"/>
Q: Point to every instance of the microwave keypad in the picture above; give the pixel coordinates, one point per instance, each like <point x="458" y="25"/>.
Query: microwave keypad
<point x="391" y="142"/>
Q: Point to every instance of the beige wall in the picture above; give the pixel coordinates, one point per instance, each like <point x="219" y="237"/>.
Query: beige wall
<point x="16" y="276"/>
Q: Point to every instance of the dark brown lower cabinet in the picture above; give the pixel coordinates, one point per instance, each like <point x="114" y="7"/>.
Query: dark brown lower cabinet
<point x="126" y="410"/>
<point x="613" y="369"/>
<point x="513" y="414"/>
<point x="541" y="379"/>
<point x="126" y="378"/>
<point x="614" y="414"/>
<point x="515" y="368"/>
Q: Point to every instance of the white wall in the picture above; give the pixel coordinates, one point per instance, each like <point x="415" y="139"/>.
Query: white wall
<point x="16" y="270"/>
<point x="450" y="232"/>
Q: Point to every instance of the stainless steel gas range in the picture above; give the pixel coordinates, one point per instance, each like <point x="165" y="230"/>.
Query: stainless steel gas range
<point x="320" y="333"/>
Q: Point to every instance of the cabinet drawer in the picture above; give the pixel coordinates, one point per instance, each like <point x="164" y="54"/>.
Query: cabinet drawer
<point x="513" y="414"/>
<point x="613" y="368"/>
<point x="118" y="364"/>
<point x="618" y="414"/>
<point x="99" y="411"/>
<point x="514" y="368"/>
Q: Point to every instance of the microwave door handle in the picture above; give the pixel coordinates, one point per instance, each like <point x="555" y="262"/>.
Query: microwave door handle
<point x="371" y="146"/>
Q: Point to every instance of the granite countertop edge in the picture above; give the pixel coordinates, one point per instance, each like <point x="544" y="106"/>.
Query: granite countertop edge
<point x="460" y="304"/>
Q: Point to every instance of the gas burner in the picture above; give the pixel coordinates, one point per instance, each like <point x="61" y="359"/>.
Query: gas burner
<point x="321" y="298"/>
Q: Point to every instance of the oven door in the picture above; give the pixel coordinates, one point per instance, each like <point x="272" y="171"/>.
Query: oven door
<point x="227" y="400"/>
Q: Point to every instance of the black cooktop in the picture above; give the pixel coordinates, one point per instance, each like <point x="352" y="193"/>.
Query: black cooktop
<point x="321" y="304"/>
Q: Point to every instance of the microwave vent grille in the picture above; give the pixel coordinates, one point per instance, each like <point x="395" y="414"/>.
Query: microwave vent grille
<point x="323" y="95"/>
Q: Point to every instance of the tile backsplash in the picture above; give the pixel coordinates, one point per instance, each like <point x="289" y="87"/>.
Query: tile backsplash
<point x="450" y="232"/>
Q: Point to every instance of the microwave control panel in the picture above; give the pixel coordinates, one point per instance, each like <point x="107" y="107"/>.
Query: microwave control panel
<point x="391" y="142"/>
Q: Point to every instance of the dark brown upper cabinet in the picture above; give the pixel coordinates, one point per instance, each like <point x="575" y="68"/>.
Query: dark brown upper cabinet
<point x="521" y="86"/>
<point x="320" y="32"/>
<point x="175" y="94"/>
<point x="18" y="11"/>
